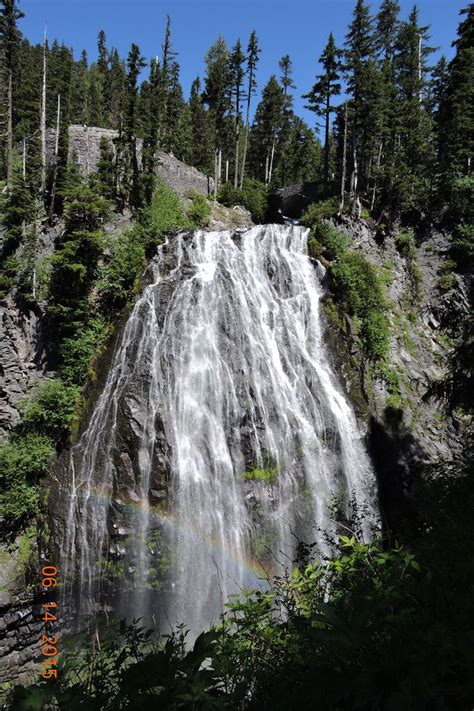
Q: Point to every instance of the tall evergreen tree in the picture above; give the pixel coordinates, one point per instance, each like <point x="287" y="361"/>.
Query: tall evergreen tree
<point x="266" y="128"/>
<point x="359" y="57"/>
<point x="253" y="54"/>
<point x="327" y="86"/>
<point x="286" y="78"/>
<point x="414" y="160"/>
<point x="217" y="92"/>
<point x="135" y="64"/>
<point x="201" y="154"/>
<point x="10" y="37"/>
<point x="457" y="107"/>
<point x="237" y="73"/>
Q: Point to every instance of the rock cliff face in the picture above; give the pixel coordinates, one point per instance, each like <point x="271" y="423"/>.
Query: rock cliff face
<point x="410" y="436"/>
<point x="22" y="347"/>
<point x="84" y="148"/>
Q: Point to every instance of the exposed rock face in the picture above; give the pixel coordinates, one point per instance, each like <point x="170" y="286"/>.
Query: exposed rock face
<point x="84" y="148"/>
<point x="19" y="352"/>
<point x="420" y="437"/>
<point x="20" y="624"/>
<point x="181" y="177"/>
<point x="22" y="357"/>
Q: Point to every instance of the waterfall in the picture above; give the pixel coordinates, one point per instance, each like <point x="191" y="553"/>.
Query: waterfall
<point x="220" y="438"/>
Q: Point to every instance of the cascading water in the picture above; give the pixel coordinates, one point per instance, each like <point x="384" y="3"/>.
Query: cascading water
<point x="220" y="437"/>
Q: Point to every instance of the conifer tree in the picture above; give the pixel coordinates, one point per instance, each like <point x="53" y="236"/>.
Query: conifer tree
<point x="286" y="68"/>
<point x="217" y="92"/>
<point x="266" y="128"/>
<point x="414" y="128"/>
<point x="359" y="68"/>
<point x="117" y="83"/>
<point x="237" y="73"/>
<point x="102" y="79"/>
<point x="326" y="86"/>
<point x="79" y="108"/>
<point x="9" y="47"/>
<point x="135" y="63"/>
<point x="253" y="54"/>
<point x="201" y="149"/>
<point x="457" y="106"/>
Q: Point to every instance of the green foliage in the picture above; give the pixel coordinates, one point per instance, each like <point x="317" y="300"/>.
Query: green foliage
<point x="165" y="214"/>
<point x="49" y="412"/>
<point x="268" y="476"/>
<point x="463" y="247"/>
<point x="376" y="334"/>
<point x="320" y="211"/>
<point x="199" y="211"/>
<point x="325" y="239"/>
<point x="23" y="460"/>
<point x="78" y="353"/>
<point x="359" y="286"/>
<point x="8" y="273"/>
<point x="74" y="264"/>
<point x="253" y="197"/>
<point x="406" y="244"/>
<point x="118" y="275"/>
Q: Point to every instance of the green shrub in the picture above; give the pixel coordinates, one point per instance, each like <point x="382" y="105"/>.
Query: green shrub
<point x="79" y="353"/>
<point x="462" y="199"/>
<point x="199" y="211"/>
<point x="406" y="244"/>
<point x="49" y="412"/>
<point x="268" y="476"/>
<point x="118" y="275"/>
<point x="23" y="460"/>
<point x="8" y="272"/>
<point x="165" y="212"/>
<point x="358" y="283"/>
<point x="333" y="242"/>
<point x="253" y="197"/>
<point x="319" y="211"/>
<point x="361" y="291"/>
<point x="376" y="334"/>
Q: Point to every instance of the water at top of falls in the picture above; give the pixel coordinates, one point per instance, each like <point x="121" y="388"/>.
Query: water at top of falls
<point x="221" y="436"/>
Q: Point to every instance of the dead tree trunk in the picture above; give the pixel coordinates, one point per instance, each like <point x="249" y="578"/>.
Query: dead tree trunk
<point x="43" y="122"/>
<point x="344" y="162"/>
<point x="56" y="160"/>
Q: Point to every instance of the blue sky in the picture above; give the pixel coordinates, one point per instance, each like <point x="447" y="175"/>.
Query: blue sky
<point x="297" y="27"/>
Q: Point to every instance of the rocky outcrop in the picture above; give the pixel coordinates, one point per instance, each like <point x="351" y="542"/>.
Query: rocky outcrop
<point x="410" y="435"/>
<point x="22" y="351"/>
<point x="182" y="178"/>
<point x="84" y="149"/>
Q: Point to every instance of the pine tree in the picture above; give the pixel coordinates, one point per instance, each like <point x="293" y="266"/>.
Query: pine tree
<point x="102" y="79"/>
<point x="300" y="159"/>
<point x="253" y="54"/>
<point x="117" y="84"/>
<point x="135" y="63"/>
<point x="237" y="73"/>
<point x="266" y="129"/>
<point x="79" y="108"/>
<point x="201" y="153"/>
<point x="150" y="96"/>
<point x="286" y="68"/>
<point x="457" y="106"/>
<point x="326" y="86"/>
<point x="217" y="92"/>
<point x="174" y="119"/>
<point x="10" y="37"/>
<point x="414" y="158"/>
<point x="387" y="28"/>
<point x="359" y="56"/>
